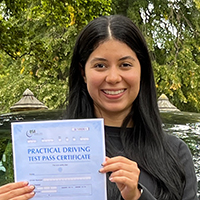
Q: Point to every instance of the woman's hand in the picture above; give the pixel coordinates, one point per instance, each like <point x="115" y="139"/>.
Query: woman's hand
<point x="125" y="173"/>
<point x="16" y="191"/>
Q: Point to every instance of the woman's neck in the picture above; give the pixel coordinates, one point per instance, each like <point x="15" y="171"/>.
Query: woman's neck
<point x="113" y="119"/>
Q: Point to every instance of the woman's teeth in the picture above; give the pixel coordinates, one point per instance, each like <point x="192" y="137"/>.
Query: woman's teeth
<point x="111" y="92"/>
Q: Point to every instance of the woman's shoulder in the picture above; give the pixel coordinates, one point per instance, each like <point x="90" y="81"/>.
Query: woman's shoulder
<point x="178" y="146"/>
<point x="181" y="149"/>
<point x="173" y="140"/>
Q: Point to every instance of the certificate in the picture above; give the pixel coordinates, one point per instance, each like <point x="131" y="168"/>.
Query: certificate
<point x="61" y="158"/>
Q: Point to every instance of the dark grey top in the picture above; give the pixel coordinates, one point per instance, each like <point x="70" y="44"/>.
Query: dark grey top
<point x="146" y="181"/>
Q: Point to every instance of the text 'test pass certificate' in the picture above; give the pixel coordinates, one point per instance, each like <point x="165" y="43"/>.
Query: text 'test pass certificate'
<point x="61" y="158"/>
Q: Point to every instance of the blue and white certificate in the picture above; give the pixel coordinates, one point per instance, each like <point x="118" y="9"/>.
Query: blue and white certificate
<point x="61" y="158"/>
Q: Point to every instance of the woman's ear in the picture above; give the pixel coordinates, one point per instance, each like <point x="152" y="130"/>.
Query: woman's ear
<point x="82" y="72"/>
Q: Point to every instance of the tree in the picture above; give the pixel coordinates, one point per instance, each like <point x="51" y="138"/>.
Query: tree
<point x="36" y="42"/>
<point x="37" y="38"/>
<point x="172" y="30"/>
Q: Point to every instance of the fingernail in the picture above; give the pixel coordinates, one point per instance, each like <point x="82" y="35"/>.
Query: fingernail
<point x="32" y="193"/>
<point x="100" y="170"/>
<point x="32" y="187"/>
<point x="111" y="179"/>
<point x="103" y="163"/>
<point x="25" y="182"/>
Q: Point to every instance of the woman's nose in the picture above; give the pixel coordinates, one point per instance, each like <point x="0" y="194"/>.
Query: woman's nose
<point x="113" y="76"/>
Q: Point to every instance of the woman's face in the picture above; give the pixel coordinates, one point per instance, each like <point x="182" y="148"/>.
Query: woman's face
<point x="112" y="74"/>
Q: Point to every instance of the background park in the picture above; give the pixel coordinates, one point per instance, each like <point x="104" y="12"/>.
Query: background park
<point x="36" y="42"/>
<point x="37" y="39"/>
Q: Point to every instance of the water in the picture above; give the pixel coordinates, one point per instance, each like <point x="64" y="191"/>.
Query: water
<point x="184" y="125"/>
<point x="187" y="127"/>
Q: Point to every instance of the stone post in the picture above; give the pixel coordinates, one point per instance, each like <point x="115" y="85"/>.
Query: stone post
<point x="28" y="102"/>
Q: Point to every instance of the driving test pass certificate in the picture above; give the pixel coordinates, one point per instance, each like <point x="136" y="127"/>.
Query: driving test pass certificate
<point x="61" y="158"/>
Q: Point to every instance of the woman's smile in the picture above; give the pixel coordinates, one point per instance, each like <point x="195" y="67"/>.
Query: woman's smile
<point x="113" y="92"/>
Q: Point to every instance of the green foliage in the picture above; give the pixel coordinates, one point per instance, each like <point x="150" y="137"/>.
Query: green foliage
<point x="37" y="38"/>
<point x="8" y="176"/>
<point x="3" y="143"/>
<point x="172" y="31"/>
<point x="36" y="42"/>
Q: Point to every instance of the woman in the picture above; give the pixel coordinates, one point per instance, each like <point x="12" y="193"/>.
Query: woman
<point x="111" y="77"/>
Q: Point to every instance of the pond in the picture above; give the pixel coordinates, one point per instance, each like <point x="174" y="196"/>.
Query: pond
<point x="184" y="125"/>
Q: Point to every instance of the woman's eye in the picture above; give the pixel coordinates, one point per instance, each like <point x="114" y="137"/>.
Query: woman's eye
<point x="100" y="66"/>
<point x="126" y="65"/>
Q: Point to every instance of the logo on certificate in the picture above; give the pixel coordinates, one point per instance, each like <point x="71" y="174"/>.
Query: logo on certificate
<point x="30" y="133"/>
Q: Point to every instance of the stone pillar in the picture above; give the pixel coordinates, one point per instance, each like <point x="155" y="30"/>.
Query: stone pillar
<point x="28" y="102"/>
<point x="165" y="105"/>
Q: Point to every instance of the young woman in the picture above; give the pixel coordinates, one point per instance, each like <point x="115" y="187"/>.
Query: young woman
<point x="111" y="77"/>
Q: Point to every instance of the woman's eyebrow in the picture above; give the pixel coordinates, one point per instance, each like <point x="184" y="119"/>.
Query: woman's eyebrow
<point x="103" y="59"/>
<point x="97" y="59"/>
<point x="127" y="57"/>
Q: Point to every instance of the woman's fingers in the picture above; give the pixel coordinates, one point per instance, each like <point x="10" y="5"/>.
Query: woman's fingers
<point x="12" y="186"/>
<point x="117" y="159"/>
<point x="24" y="196"/>
<point x="16" y="191"/>
<point x="118" y="163"/>
<point x="125" y="173"/>
<point x="134" y="175"/>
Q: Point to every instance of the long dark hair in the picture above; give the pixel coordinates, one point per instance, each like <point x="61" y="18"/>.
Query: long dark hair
<point x="147" y="140"/>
